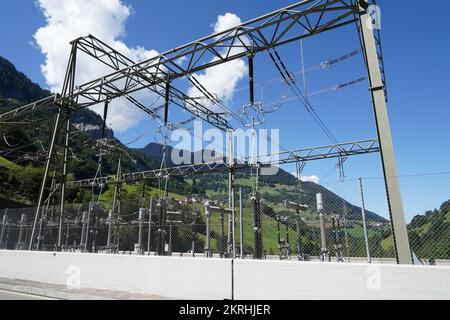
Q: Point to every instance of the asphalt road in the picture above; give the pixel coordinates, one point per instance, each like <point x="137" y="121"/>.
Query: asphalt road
<point x="8" y="295"/>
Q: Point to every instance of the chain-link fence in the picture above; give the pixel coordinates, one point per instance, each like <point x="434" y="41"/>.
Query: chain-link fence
<point x="272" y="222"/>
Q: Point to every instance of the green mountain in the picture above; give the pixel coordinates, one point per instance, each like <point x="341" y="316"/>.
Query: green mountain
<point x="16" y="85"/>
<point x="20" y="180"/>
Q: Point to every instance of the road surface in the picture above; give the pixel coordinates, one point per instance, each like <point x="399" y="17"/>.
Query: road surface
<point x="8" y="295"/>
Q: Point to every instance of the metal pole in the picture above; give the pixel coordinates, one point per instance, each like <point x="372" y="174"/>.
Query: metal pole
<point x="110" y="222"/>
<point x="259" y="249"/>
<point x="208" y="230"/>
<point x="280" y="245"/>
<point x="363" y="211"/>
<point x="44" y="180"/>
<point x="288" y="243"/>
<point x="241" y="225"/>
<point x="395" y="203"/>
<point x="23" y="218"/>
<point x="162" y="227"/>
<point x="5" y="218"/>
<point x="222" y="233"/>
<point x="229" y="234"/>
<point x="299" y="239"/>
<point x="324" y="254"/>
<point x="230" y="190"/>
<point x="193" y="231"/>
<point x="67" y="234"/>
<point x="170" y="240"/>
<point x="233" y="218"/>
<point x="347" y="245"/>
<point x="83" y="225"/>
<point x="88" y="224"/>
<point x="251" y="78"/>
<point x="167" y="102"/>
<point x="339" y="237"/>
<point x="41" y="223"/>
<point x="94" y="232"/>
<point x="149" y="227"/>
<point x="141" y="225"/>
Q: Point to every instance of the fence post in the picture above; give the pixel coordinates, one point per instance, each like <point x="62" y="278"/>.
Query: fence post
<point x="241" y="224"/>
<point x="83" y="225"/>
<point x="5" y="218"/>
<point x="208" y="230"/>
<point x="363" y="211"/>
<point x="23" y="217"/>
<point x="67" y="234"/>
<point x="259" y="249"/>
<point x="233" y="214"/>
<point x="110" y="222"/>
<point x="324" y="251"/>
<point x="41" y="226"/>
<point x="299" y="237"/>
<point x="88" y="226"/>
<point x="141" y="225"/>
<point x="149" y="226"/>
<point x="222" y="233"/>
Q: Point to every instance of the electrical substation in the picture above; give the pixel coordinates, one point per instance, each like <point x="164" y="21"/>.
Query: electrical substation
<point x="233" y="225"/>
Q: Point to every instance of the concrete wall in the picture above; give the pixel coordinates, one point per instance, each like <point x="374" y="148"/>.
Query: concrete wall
<point x="327" y="281"/>
<point x="199" y="278"/>
<point x="185" y="278"/>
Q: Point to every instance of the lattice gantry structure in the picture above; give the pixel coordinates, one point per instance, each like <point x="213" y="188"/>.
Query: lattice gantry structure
<point x="158" y="75"/>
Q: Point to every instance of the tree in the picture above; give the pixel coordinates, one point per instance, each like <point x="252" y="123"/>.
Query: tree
<point x="445" y="207"/>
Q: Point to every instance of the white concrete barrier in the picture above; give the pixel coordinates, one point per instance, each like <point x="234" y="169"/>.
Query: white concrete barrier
<point x="280" y="280"/>
<point x="199" y="278"/>
<point x="171" y="277"/>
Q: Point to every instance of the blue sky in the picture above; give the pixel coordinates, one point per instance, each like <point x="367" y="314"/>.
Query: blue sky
<point x="416" y="58"/>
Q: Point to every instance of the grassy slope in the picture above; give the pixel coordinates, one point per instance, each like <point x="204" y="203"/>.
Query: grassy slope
<point x="133" y="192"/>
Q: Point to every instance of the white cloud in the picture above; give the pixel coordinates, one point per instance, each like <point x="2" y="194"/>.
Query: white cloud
<point x="226" y="21"/>
<point x="221" y="80"/>
<point x="67" y="20"/>
<point x="314" y="179"/>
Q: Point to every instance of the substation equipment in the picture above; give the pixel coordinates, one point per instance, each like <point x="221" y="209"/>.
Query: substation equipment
<point x="265" y="34"/>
